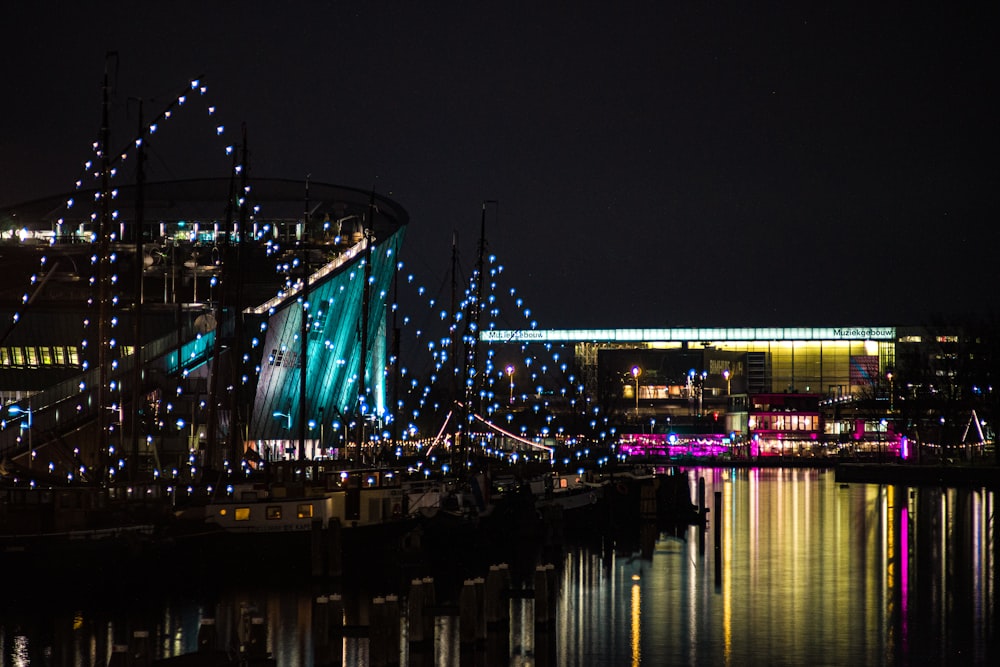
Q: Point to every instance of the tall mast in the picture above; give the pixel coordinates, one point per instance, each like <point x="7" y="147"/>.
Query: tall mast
<point x="222" y="305"/>
<point x="304" y="327"/>
<point x="236" y="403"/>
<point x="369" y="235"/>
<point x="103" y="279"/>
<point x="140" y="205"/>
<point x="395" y="356"/>
<point x="453" y="329"/>
<point x="473" y="376"/>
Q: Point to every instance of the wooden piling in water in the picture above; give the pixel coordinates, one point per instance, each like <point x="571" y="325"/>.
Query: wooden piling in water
<point x="317" y="545"/>
<point x="717" y="525"/>
<point x="119" y="656"/>
<point x="140" y="649"/>
<point x="480" y="585"/>
<point x="541" y="596"/>
<point x="256" y="645"/>
<point x="701" y="498"/>
<point x="467" y="613"/>
<point x="378" y="633"/>
<point x="335" y="615"/>
<point x="497" y="605"/>
<point x="334" y="548"/>
<point x="552" y="584"/>
<point x="415" y="612"/>
<point x="207" y="636"/>
<point x="392" y="618"/>
<point x="321" y="630"/>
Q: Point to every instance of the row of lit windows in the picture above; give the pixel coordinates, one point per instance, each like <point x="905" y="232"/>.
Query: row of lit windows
<point x="35" y="357"/>
<point x="781" y="422"/>
<point x="304" y="511"/>
<point x="45" y="356"/>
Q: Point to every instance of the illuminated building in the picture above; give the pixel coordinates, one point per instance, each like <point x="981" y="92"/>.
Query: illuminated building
<point x="218" y="309"/>
<point x="707" y="390"/>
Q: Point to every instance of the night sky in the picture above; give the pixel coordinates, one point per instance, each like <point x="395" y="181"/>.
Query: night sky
<point x="655" y="163"/>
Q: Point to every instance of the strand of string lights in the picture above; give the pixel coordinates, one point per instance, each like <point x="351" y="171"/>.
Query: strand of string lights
<point x="105" y="165"/>
<point x="498" y="404"/>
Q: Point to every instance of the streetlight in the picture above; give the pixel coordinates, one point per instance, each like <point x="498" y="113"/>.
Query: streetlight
<point x="18" y="410"/>
<point x="891" y="392"/>
<point x="701" y="393"/>
<point x="510" y="372"/>
<point x="322" y="441"/>
<point x="636" y="372"/>
<point x="726" y="376"/>
<point x="286" y="416"/>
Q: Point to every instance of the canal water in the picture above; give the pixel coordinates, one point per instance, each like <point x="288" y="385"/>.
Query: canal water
<point x="792" y="568"/>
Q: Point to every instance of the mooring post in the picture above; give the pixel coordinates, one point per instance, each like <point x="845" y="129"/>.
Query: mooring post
<point x="717" y="524"/>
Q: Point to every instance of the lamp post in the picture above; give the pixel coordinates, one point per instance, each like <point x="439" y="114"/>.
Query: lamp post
<point x="18" y="410"/>
<point x="701" y="393"/>
<point x="322" y="442"/>
<point x="636" y="372"/>
<point x="729" y="387"/>
<point x="891" y="392"/>
<point x="510" y="372"/>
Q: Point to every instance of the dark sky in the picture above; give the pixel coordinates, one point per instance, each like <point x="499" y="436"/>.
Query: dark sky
<point x="656" y="163"/>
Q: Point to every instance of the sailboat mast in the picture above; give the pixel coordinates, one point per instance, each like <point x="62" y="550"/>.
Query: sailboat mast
<point x="453" y="330"/>
<point x="475" y="312"/>
<point x="140" y="205"/>
<point x="369" y="236"/>
<point x="304" y="326"/>
<point x="236" y="354"/>
<point x="103" y="279"/>
<point x="221" y="306"/>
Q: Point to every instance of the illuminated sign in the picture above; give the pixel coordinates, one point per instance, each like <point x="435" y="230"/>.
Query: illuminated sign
<point x="872" y="333"/>
<point x="706" y="334"/>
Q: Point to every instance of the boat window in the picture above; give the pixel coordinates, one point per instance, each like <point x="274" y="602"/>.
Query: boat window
<point x="305" y="511"/>
<point x="242" y="514"/>
<point x="274" y="511"/>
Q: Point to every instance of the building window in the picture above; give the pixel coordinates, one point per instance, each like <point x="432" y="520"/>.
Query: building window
<point x="284" y="359"/>
<point x="242" y="514"/>
<point x="305" y="511"/>
<point x="274" y="511"/>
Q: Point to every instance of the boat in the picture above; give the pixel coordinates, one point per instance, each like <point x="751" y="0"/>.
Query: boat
<point x="306" y="516"/>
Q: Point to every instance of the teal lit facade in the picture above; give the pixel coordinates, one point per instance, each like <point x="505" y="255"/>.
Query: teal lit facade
<point x="334" y="308"/>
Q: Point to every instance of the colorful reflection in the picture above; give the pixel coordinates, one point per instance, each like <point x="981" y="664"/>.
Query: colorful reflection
<point x="792" y="568"/>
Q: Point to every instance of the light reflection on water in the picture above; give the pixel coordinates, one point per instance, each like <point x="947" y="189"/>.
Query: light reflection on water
<point x="806" y="571"/>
